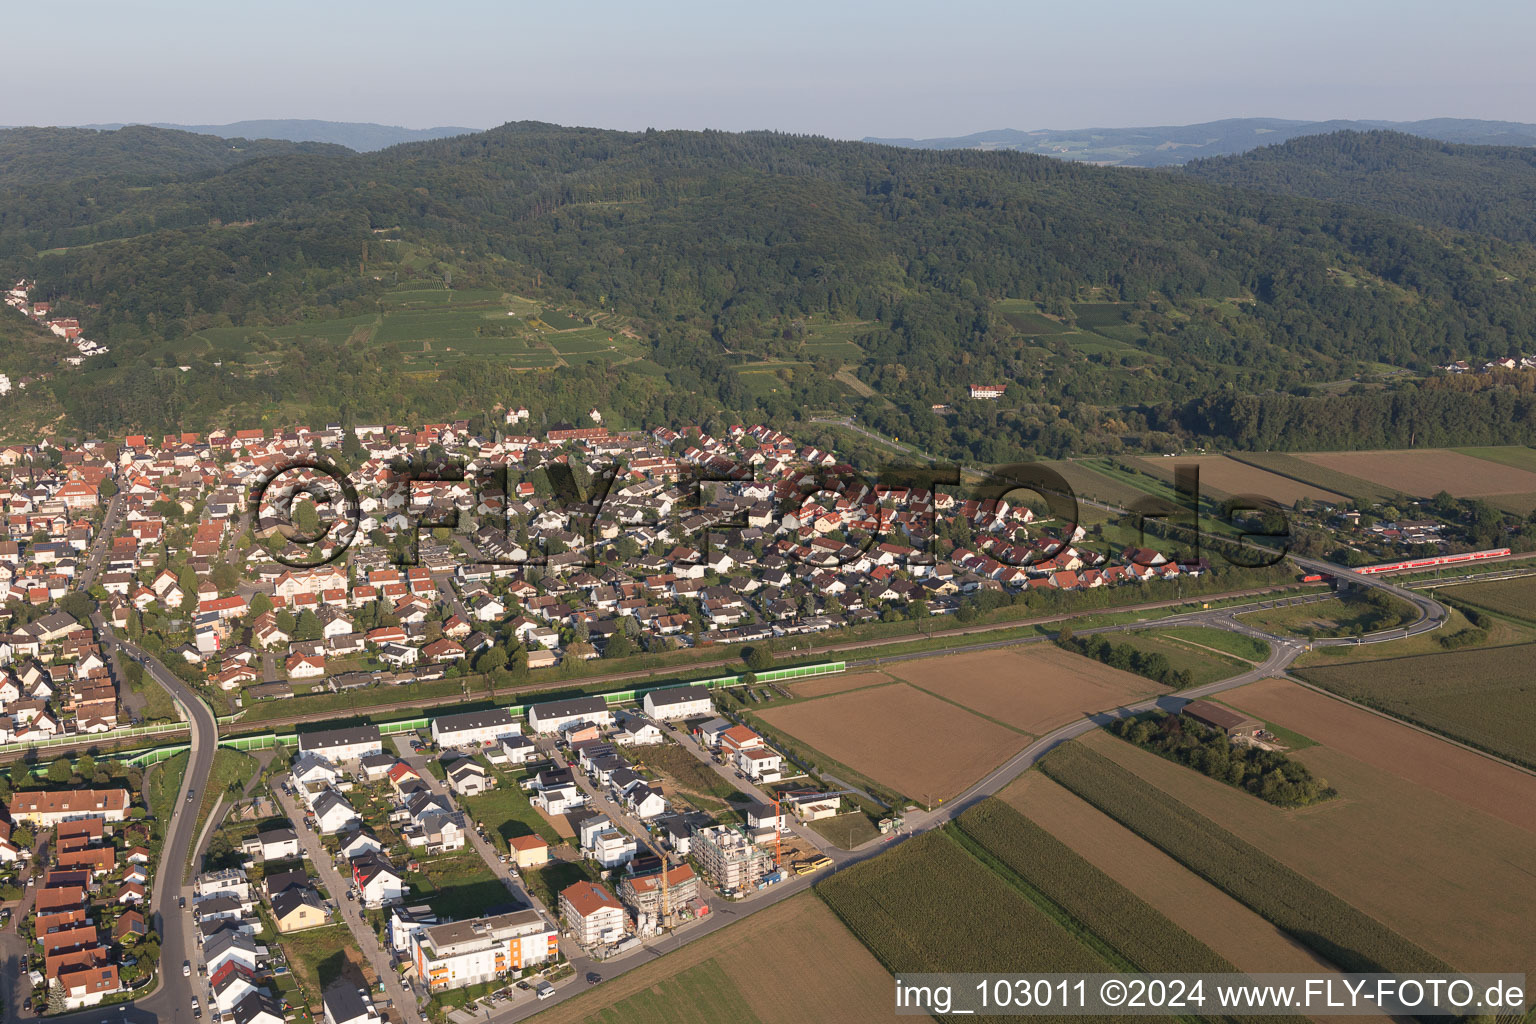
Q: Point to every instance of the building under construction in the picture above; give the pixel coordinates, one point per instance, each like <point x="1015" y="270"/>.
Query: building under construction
<point x="642" y="893"/>
<point x="733" y="862"/>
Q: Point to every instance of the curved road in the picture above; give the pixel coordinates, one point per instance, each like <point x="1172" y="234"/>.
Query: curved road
<point x="171" y="1000"/>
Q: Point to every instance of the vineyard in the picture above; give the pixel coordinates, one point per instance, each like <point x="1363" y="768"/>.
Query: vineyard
<point x="929" y="906"/>
<point x="1316" y="917"/>
<point x="1106" y="908"/>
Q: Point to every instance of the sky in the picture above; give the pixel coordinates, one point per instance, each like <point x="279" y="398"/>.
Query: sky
<point x="893" y="68"/>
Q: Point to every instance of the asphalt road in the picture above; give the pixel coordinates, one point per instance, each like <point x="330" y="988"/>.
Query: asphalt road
<point x="171" y="1000"/>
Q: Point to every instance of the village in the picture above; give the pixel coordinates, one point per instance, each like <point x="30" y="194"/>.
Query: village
<point x="358" y="821"/>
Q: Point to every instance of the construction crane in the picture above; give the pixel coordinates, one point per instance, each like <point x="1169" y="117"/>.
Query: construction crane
<point x="666" y="896"/>
<point x="778" y="847"/>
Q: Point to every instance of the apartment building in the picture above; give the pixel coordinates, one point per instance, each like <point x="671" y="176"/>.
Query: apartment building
<point x="469" y="952"/>
<point x="731" y="860"/>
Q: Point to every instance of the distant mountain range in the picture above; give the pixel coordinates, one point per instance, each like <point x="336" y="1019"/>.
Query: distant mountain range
<point x="362" y="137"/>
<point x="1178" y="144"/>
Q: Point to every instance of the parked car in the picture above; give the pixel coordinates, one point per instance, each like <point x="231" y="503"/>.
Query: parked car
<point x="593" y="977"/>
<point x="182" y="903"/>
<point x="186" y="968"/>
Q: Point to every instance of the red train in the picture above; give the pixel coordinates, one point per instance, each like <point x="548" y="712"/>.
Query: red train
<point x="1430" y="563"/>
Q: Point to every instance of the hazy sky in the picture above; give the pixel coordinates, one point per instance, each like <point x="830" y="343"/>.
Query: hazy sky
<point x="892" y="68"/>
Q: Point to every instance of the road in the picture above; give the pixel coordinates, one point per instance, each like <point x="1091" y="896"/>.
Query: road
<point x="351" y="910"/>
<point x="99" y="546"/>
<point x="170" y="1002"/>
<point x="1283" y="651"/>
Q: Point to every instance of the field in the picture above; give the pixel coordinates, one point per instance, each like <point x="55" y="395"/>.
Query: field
<point x="1425" y="472"/>
<point x="795" y="962"/>
<point x="1297" y="468"/>
<point x="1034" y="688"/>
<point x="1445" y="874"/>
<point x="900" y="737"/>
<point x="1224" y="476"/>
<point x="1485" y="697"/>
<point x="1086" y="483"/>
<point x="505" y="812"/>
<point x="1516" y="597"/>
<point x="828" y="685"/>
<point x="1230" y="929"/>
<point x="698" y="782"/>
<point x="1409" y="754"/>
<point x="1135" y="931"/>
<point x="928" y="905"/>
<point x="1238" y="645"/>
<point x="1349" y="938"/>
<point x="318" y="956"/>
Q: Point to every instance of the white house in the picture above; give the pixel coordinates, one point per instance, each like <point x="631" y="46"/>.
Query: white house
<point x="556" y="715"/>
<point x="377" y="880"/>
<point x="474" y="728"/>
<point x="278" y="844"/>
<point x="333" y="813"/>
<point x="348" y="744"/>
<point x="678" y="702"/>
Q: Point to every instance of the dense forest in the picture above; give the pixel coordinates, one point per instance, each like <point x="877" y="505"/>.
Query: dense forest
<point x="1484" y="189"/>
<point x="1237" y="313"/>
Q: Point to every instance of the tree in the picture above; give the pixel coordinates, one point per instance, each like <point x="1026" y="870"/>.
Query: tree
<point x="85" y="766"/>
<point x="619" y="646"/>
<point x="492" y="659"/>
<point x="56" y="997"/>
<point x="260" y="603"/>
<point x="61" y="771"/>
<point x="758" y="658"/>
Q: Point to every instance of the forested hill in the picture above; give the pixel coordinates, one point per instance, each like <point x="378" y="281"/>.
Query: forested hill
<point x="1485" y="189"/>
<point x="1109" y="298"/>
<point x="135" y="156"/>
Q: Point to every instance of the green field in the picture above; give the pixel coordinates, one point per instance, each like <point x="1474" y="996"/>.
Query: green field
<point x="1484" y="697"/>
<point x="1314" y="916"/>
<point x="702" y="994"/>
<point x="1236" y="644"/>
<point x="928" y="905"/>
<point x="1084" y="894"/>
<point x="164" y="787"/>
<point x="1513" y="455"/>
<point x="560" y="320"/>
<point x="1514" y="597"/>
<point x="506" y="813"/>
<point x="457" y="885"/>
<point x="547" y="882"/>
<point x="847" y="830"/>
<point x="1097" y="315"/>
<point x="1333" y="617"/>
<point x="317" y="957"/>
<point x="1024" y="316"/>
<point x="1202" y="666"/>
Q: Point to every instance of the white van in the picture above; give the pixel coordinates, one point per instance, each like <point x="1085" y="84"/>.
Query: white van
<point x="544" y="989"/>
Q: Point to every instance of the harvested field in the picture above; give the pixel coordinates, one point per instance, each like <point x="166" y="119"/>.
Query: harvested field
<point x="1336" y="929"/>
<point x="1033" y="687"/>
<point x="1410" y="755"/>
<point x="1483" y="696"/>
<point x="1426" y="472"/>
<point x="900" y="737"/>
<point x="1310" y="473"/>
<point x="1222" y="476"/>
<point x="928" y="905"/>
<point x="1207" y="913"/>
<point x="827" y="685"/>
<point x="1450" y="879"/>
<point x="836" y="978"/>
